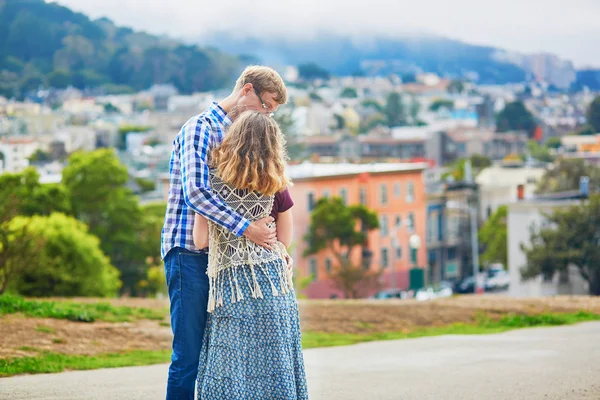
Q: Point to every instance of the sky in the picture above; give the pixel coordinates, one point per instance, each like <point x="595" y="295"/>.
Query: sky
<point x="568" y="29"/>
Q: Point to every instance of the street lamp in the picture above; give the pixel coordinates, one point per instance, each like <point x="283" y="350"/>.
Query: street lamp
<point x="415" y="244"/>
<point x="417" y="279"/>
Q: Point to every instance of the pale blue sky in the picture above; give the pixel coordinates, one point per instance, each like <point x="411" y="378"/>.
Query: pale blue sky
<point x="569" y="29"/>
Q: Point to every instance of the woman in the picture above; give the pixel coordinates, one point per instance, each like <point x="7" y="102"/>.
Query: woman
<point x="252" y="346"/>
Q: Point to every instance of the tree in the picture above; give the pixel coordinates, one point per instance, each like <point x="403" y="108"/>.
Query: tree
<point x="59" y="79"/>
<point x="586" y="130"/>
<point x="109" y="108"/>
<point x="124" y="130"/>
<point x="371" y="103"/>
<point x="515" y="117"/>
<point x="312" y="71"/>
<point x="439" y="103"/>
<point x="18" y="247"/>
<point x="565" y="176"/>
<point x="340" y="122"/>
<point x="457" y="169"/>
<point x="377" y="119"/>
<point x="333" y="227"/>
<point x="415" y="107"/>
<point x="553" y="143"/>
<point x="593" y="114"/>
<point x="97" y="182"/>
<point x="570" y="237"/>
<point x="40" y="156"/>
<point x="70" y="262"/>
<point x="33" y="198"/>
<point x="456" y="87"/>
<point x="349" y="93"/>
<point x="493" y="237"/>
<point x="394" y="110"/>
<point x="539" y="152"/>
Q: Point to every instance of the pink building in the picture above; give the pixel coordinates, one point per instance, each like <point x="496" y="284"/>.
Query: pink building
<point x="396" y="191"/>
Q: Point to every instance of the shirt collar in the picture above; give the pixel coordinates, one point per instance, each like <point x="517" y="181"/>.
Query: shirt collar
<point x="216" y="110"/>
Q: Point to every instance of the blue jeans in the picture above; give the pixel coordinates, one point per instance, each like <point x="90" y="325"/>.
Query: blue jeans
<point x="188" y="291"/>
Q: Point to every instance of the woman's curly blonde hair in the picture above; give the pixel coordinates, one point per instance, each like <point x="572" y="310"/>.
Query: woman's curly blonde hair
<point x="253" y="156"/>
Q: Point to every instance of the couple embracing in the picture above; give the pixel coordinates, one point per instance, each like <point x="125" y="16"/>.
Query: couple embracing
<point x="234" y="312"/>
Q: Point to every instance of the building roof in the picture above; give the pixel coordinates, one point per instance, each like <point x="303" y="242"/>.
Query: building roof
<point x="500" y="176"/>
<point x="308" y="170"/>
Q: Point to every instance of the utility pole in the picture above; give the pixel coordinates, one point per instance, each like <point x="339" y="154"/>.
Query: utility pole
<point x="473" y="220"/>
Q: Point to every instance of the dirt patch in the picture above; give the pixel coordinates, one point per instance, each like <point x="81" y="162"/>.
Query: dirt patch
<point x="19" y="336"/>
<point x="17" y="333"/>
<point x="365" y="316"/>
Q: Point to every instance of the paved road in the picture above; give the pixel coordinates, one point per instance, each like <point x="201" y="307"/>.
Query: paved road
<point x="545" y="363"/>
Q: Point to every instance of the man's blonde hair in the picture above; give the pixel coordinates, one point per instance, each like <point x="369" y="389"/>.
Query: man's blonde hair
<point x="252" y="156"/>
<point x="264" y="79"/>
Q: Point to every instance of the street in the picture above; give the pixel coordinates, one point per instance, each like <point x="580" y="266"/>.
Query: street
<point x="558" y="363"/>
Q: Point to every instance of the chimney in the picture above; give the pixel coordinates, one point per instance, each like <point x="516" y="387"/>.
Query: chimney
<point x="520" y="192"/>
<point x="584" y="186"/>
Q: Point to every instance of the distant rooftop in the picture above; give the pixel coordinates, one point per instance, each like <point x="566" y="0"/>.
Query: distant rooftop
<point x="310" y="170"/>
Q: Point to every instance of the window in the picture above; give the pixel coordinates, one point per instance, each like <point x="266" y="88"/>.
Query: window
<point x="452" y="253"/>
<point x="410" y="192"/>
<point x="398" y="221"/>
<point x="312" y="267"/>
<point x="397" y="190"/>
<point x="344" y="196"/>
<point x="432" y="227"/>
<point x="399" y="253"/>
<point x="363" y="196"/>
<point x="311" y="201"/>
<point x="326" y="193"/>
<point x="411" y="221"/>
<point x="328" y="265"/>
<point x="384" y="194"/>
<point x="384" y="258"/>
<point x="384" y="225"/>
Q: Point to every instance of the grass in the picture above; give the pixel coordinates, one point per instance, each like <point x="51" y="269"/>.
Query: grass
<point x="44" y="329"/>
<point x="162" y="323"/>
<point x="49" y="362"/>
<point x="59" y="341"/>
<point x="79" y="312"/>
<point x="484" y="325"/>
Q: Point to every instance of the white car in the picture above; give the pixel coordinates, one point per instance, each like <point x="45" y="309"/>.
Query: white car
<point x="497" y="279"/>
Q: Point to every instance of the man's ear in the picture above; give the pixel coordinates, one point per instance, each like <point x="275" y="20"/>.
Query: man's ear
<point x="246" y="89"/>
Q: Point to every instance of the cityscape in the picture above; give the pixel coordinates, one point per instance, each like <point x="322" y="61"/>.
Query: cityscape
<point x="472" y="184"/>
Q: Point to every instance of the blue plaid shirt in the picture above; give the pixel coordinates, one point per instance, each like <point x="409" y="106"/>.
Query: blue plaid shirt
<point x="189" y="191"/>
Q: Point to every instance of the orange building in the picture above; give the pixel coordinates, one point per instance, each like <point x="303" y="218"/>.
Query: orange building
<point x="396" y="191"/>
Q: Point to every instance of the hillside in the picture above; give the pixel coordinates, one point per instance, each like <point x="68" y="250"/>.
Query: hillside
<point x="45" y="44"/>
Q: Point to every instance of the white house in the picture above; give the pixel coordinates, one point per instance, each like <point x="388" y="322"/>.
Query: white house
<point x="523" y="215"/>
<point x="498" y="185"/>
<point x="15" y="152"/>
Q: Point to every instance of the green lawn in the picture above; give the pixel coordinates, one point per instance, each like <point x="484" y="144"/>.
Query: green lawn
<point x="46" y="362"/>
<point x="80" y="312"/>
<point x="484" y="325"/>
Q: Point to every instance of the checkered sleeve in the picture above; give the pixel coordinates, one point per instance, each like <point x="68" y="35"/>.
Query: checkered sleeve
<point x="197" y="194"/>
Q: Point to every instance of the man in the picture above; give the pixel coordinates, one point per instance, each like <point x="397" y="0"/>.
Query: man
<point x="258" y="88"/>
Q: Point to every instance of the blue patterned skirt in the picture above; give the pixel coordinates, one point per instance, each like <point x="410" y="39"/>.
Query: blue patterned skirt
<point x="252" y="348"/>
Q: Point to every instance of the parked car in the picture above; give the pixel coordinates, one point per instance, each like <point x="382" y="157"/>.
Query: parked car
<point x="497" y="279"/>
<point x="466" y="285"/>
<point x="391" y="294"/>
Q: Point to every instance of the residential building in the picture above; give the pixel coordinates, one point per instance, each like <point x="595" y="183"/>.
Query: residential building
<point x="529" y="214"/>
<point x="499" y="185"/>
<point x="15" y="153"/>
<point x="395" y="191"/>
<point x="449" y="246"/>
